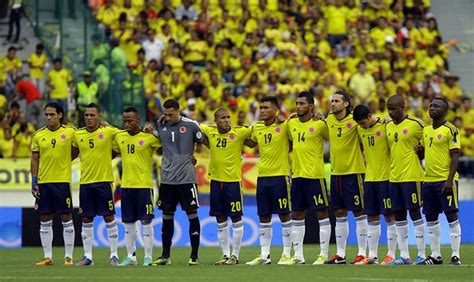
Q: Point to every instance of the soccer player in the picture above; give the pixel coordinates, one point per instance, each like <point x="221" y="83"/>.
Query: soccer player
<point x="136" y="148"/>
<point x="178" y="137"/>
<point x="273" y="179"/>
<point x="441" y="142"/>
<point x="94" y="143"/>
<point x="226" y="143"/>
<point x="308" y="187"/>
<point x="347" y="176"/>
<point x="372" y="134"/>
<point x="51" y="177"/>
<point x="404" y="134"/>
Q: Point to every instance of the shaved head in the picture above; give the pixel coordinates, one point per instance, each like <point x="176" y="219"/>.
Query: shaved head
<point x="396" y="108"/>
<point x="396" y="101"/>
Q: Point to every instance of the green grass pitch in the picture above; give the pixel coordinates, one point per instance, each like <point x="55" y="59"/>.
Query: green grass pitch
<point x="17" y="264"/>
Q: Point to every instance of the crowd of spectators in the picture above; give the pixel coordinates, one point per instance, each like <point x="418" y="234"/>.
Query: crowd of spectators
<point x="216" y="53"/>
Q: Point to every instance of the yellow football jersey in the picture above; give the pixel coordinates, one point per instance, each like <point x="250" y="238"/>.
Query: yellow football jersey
<point x="308" y="147"/>
<point x="54" y="148"/>
<point x="137" y="154"/>
<point x="226" y="152"/>
<point x="345" y="151"/>
<point x="402" y="138"/>
<point x="95" y="151"/>
<point x="438" y="143"/>
<point x="376" y="151"/>
<point x="273" y="147"/>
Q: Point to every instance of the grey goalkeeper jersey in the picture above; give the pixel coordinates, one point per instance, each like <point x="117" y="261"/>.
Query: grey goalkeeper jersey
<point x="178" y="142"/>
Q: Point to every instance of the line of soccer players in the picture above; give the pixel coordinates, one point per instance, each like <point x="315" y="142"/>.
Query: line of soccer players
<point x="392" y="185"/>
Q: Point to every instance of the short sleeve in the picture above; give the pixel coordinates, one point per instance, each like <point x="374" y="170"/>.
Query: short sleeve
<point x="289" y="133"/>
<point x="253" y="137"/>
<point x="246" y="132"/>
<point x="324" y="130"/>
<point x="115" y="145"/>
<point x="156" y="142"/>
<point x="454" y="140"/>
<point x="198" y="134"/>
<point x="74" y="142"/>
<point x="34" y="144"/>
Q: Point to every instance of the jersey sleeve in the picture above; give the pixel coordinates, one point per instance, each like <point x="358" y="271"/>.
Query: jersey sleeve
<point x="34" y="144"/>
<point x="246" y="132"/>
<point x="455" y="140"/>
<point x="324" y="130"/>
<point x="115" y="145"/>
<point x="422" y="141"/>
<point x="289" y="132"/>
<point x="198" y="134"/>
<point x="253" y="137"/>
<point x="74" y="141"/>
<point x="156" y="142"/>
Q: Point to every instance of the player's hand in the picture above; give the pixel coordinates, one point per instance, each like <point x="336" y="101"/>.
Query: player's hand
<point x="161" y="120"/>
<point x="280" y="119"/>
<point x="34" y="187"/>
<point x="148" y="128"/>
<point x="318" y="116"/>
<point x="104" y="124"/>
<point x="418" y="148"/>
<point x="448" y="187"/>
<point x="194" y="161"/>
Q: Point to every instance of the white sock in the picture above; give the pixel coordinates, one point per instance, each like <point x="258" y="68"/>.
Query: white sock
<point x="148" y="235"/>
<point x="46" y="235"/>
<point x="286" y="237"/>
<point x="237" y="234"/>
<point x="361" y="230"/>
<point x="373" y="236"/>
<point x="112" y="234"/>
<point x="391" y="239"/>
<point x="324" y="237"/>
<point x="401" y="228"/>
<point x="130" y="238"/>
<point x="68" y="235"/>
<point x="265" y="233"/>
<point x="297" y="234"/>
<point x="420" y="236"/>
<point x="434" y="233"/>
<point x="342" y="232"/>
<point x="223" y="236"/>
<point x="455" y="234"/>
<point x="87" y="238"/>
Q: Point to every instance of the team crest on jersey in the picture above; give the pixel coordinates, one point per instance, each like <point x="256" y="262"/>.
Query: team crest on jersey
<point x="232" y="136"/>
<point x="101" y="136"/>
<point x="80" y="210"/>
<point x="141" y="142"/>
<point x="311" y="130"/>
<point x="182" y="129"/>
<point x="405" y="131"/>
<point x="349" y="125"/>
<point x="63" y="137"/>
<point x="378" y="134"/>
<point x="439" y="136"/>
<point x="277" y="129"/>
<point x="36" y="206"/>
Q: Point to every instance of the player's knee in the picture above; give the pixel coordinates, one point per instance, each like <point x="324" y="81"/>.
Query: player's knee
<point x="236" y="219"/>
<point x="372" y="218"/>
<point x="46" y="217"/>
<point x="284" y="217"/>
<point x="452" y="216"/>
<point x="266" y="218"/>
<point x="341" y="213"/>
<point x="145" y="221"/>
<point x="401" y="215"/>
<point x="109" y="218"/>
<point x="192" y="215"/>
<point x="168" y="216"/>
<point x="323" y="214"/>
<point x="298" y="215"/>
<point x="87" y="219"/>
<point x="415" y="214"/>
<point x="66" y="217"/>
